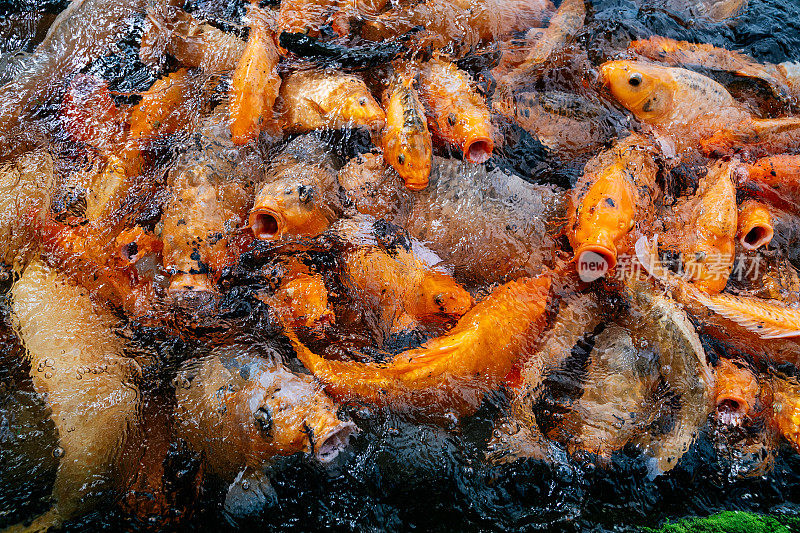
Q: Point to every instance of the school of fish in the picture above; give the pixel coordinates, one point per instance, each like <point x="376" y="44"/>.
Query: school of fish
<point x="309" y="210"/>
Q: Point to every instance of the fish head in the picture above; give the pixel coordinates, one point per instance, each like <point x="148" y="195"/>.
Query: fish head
<point x="469" y="126"/>
<point x="644" y="89"/>
<point x="355" y="104"/>
<point x="410" y="155"/>
<point x="292" y="414"/>
<point x="440" y="295"/>
<point x="598" y="220"/>
<point x="292" y="206"/>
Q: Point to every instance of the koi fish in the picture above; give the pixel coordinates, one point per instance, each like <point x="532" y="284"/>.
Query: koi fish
<point x="406" y="141"/>
<point x="452" y="214"/>
<point x="26" y="189"/>
<point x="299" y="198"/>
<point x="374" y="190"/>
<point x="685" y="54"/>
<point x="90" y="383"/>
<point x="464" y="22"/>
<point x="315" y="99"/>
<point x="688" y="108"/>
<point x="167" y="107"/>
<point x="564" y="25"/>
<point x="242" y="411"/>
<point x="398" y="285"/>
<point x="616" y="403"/>
<point x="786" y="407"/>
<point x="518" y="434"/>
<point x="192" y="42"/>
<point x="755" y="225"/>
<point x="563" y="122"/>
<point x="776" y="178"/>
<point x="302" y="302"/>
<point x="209" y="193"/>
<point x="456" y="113"/>
<point x="255" y="83"/>
<point x="707" y="225"/>
<point x="615" y="194"/>
<point x="305" y="16"/>
<point x="665" y="326"/>
<point x="90" y="115"/>
<point x="451" y="372"/>
<point x="738" y="392"/>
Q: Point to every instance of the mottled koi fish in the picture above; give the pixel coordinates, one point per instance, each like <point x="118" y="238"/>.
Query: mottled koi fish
<point x="406" y="141"/>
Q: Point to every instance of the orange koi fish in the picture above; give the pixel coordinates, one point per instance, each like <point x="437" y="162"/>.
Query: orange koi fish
<point x="314" y="99"/>
<point x="457" y="114"/>
<point x="738" y="392"/>
<point x="90" y="115"/>
<point x="298" y="200"/>
<point x="406" y="141"/>
<point x="686" y="54"/>
<point x="193" y="43"/>
<point x="302" y="301"/>
<point x="255" y="82"/>
<point x="707" y="225"/>
<point x="161" y="109"/>
<point x="755" y="225"/>
<point x="402" y="289"/>
<point x="90" y="258"/>
<point x="615" y="192"/>
<point x="451" y="372"/>
<point x="689" y="108"/>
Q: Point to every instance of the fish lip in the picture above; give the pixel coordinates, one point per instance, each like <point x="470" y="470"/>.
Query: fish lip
<point x="478" y="149"/>
<point x="731" y="410"/>
<point x="763" y="236"/>
<point x="606" y="253"/>
<point x="332" y="443"/>
<point x="416" y="183"/>
<point x="266" y="223"/>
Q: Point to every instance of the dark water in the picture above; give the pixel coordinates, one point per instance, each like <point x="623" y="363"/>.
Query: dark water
<point x="401" y="474"/>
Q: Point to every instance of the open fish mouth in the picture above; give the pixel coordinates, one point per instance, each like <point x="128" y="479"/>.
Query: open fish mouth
<point x="267" y="224"/>
<point x="330" y="445"/>
<point x="478" y="150"/>
<point x="759" y="235"/>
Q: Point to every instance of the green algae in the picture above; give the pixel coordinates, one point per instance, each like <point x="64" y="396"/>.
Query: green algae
<point x="733" y="522"/>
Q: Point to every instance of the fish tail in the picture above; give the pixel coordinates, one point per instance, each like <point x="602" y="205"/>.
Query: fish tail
<point x="345" y="379"/>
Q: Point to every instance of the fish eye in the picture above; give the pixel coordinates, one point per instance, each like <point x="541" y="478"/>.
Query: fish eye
<point x="362" y="101"/>
<point x="264" y="422"/>
<point x="451" y="119"/>
<point x="401" y="158"/>
<point x="305" y="193"/>
<point x="439" y="300"/>
<point x="635" y="80"/>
